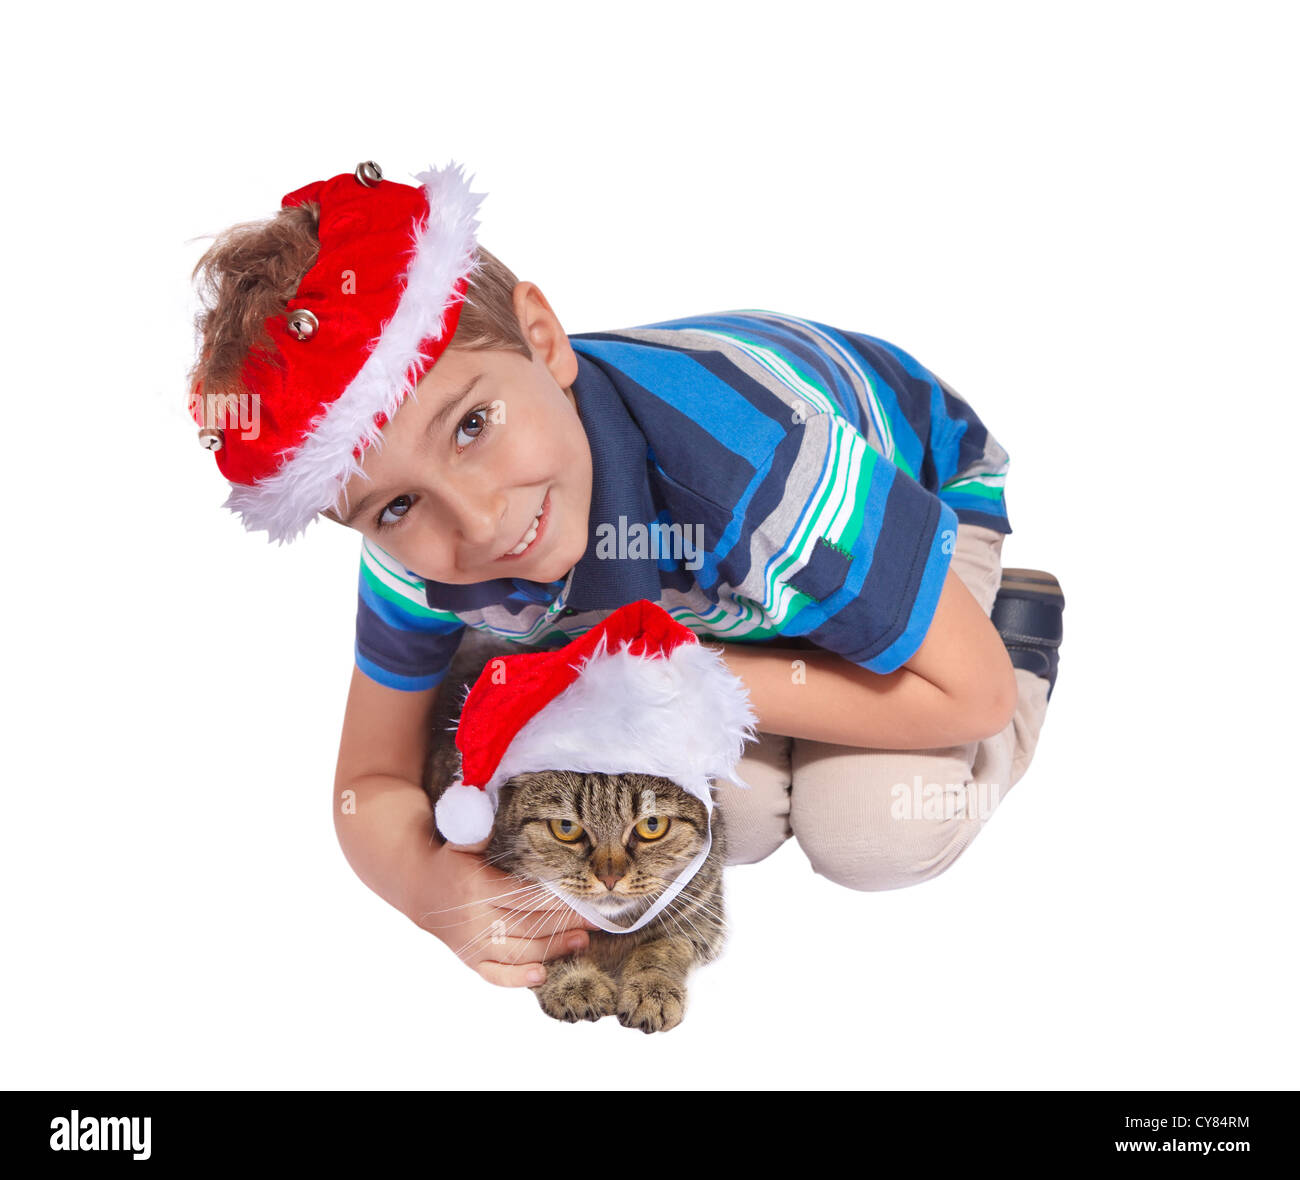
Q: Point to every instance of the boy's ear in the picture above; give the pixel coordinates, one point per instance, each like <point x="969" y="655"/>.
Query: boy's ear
<point x="545" y="335"/>
<point x="537" y="321"/>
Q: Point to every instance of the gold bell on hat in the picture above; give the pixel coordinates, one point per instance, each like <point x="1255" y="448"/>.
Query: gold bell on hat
<point x="302" y="324"/>
<point x="368" y="173"/>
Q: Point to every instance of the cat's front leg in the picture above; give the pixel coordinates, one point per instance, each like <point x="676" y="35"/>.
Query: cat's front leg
<point x="576" y="989"/>
<point x="652" y="987"/>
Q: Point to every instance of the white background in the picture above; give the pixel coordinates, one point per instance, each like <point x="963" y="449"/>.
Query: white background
<point x="1082" y="216"/>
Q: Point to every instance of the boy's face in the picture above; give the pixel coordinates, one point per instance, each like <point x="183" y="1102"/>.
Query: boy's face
<point x="462" y="472"/>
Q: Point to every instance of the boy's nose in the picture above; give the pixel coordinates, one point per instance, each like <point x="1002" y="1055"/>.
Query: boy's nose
<point x="480" y="520"/>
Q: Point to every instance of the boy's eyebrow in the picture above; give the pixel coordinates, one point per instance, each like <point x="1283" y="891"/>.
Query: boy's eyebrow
<point x="451" y="403"/>
<point x="435" y="424"/>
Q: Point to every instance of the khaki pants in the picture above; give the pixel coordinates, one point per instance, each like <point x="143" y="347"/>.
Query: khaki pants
<point x="884" y="819"/>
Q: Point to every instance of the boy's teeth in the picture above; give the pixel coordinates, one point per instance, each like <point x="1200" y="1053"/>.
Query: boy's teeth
<point x="529" y="537"/>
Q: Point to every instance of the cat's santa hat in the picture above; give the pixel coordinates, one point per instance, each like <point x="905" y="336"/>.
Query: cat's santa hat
<point x="638" y="693"/>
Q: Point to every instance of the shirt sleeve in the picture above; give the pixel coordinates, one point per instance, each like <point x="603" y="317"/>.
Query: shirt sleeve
<point x="841" y="547"/>
<point x="937" y="435"/>
<point x="401" y="642"/>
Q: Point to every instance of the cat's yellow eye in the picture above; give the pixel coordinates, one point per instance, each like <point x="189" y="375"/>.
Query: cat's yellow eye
<point x="652" y="827"/>
<point x="566" y="830"/>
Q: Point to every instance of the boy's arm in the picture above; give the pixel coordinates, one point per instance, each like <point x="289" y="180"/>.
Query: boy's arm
<point x="958" y="687"/>
<point x="386" y="829"/>
<point x="381" y="812"/>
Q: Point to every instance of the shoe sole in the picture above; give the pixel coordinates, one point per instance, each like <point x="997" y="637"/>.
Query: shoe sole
<point x="1035" y="582"/>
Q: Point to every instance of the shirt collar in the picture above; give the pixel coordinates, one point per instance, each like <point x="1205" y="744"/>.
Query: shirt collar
<point x="620" y="498"/>
<point x="620" y="488"/>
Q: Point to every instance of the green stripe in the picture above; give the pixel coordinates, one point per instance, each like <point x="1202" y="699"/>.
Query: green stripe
<point x="776" y="576"/>
<point x="713" y="617"/>
<point x="370" y="558"/>
<point x="774" y="363"/>
<point x="749" y="611"/>
<point x="757" y="635"/>
<point x="859" y="515"/>
<point x="977" y="489"/>
<point x="415" y="609"/>
<point x="982" y="480"/>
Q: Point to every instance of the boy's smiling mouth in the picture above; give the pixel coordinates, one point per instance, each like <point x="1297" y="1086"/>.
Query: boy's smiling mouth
<point x="532" y="534"/>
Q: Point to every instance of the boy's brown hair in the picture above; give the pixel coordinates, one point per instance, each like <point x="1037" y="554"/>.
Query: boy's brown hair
<point x="253" y="269"/>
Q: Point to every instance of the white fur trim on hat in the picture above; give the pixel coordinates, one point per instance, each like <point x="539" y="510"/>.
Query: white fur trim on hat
<point x="312" y="479"/>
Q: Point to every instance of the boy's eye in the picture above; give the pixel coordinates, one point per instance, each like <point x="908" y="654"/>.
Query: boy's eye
<point x="399" y="507"/>
<point x="472" y="424"/>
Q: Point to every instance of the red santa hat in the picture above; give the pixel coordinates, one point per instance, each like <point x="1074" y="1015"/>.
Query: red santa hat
<point x="369" y="319"/>
<point x="637" y="693"/>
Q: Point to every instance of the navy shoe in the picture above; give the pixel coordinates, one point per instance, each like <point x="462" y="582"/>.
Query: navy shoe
<point x="1027" y="614"/>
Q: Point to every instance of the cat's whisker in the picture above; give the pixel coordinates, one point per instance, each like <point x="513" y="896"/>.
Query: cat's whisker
<point x="472" y="944"/>
<point x="681" y="932"/>
<point x="686" y="917"/>
<point x="711" y="912"/>
<point x="676" y="924"/>
<point x="493" y="900"/>
<point x="538" y="918"/>
<point x="496" y="858"/>
<point x="525" y="892"/>
<point x="695" y="900"/>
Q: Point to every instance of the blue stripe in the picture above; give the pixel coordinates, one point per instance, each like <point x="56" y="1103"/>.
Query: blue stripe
<point x="680" y="381"/>
<point x="392" y="679"/>
<point x="964" y="502"/>
<point x="391" y="614"/>
<point x="409" y="654"/>
<point x="808" y="360"/>
<point x="906" y="403"/>
<point x="842" y="618"/>
<point x="955" y="437"/>
<point x="758" y="501"/>
<point x="998" y="524"/>
<point x="926" y="601"/>
<point x="815" y="613"/>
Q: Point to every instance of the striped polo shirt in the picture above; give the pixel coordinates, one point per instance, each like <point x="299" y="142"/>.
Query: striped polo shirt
<point x="763" y="478"/>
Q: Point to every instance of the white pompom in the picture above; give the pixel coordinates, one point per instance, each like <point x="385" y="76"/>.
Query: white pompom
<point x="464" y="814"/>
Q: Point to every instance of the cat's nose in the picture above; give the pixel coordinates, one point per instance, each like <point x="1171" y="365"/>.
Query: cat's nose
<point x="611" y="879"/>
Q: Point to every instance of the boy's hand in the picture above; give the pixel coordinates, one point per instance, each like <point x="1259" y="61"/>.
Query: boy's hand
<point x="502" y="926"/>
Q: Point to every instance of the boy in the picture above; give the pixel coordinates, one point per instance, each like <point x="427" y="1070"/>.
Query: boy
<point x="814" y="500"/>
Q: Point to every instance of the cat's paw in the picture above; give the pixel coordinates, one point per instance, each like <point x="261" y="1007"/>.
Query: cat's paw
<point x="578" y="995"/>
<point x="652" y="1001"/>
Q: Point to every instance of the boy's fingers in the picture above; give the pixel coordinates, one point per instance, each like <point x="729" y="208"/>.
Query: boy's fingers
<point x="509" y="974"/>
<point x="504" y="972"/>
<point x="560" y="944"/>
<point x="543" y="922"/>
<point x="520" y="949"/>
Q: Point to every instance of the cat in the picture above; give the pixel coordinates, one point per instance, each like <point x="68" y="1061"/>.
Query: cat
<point x="615" y="841"/>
